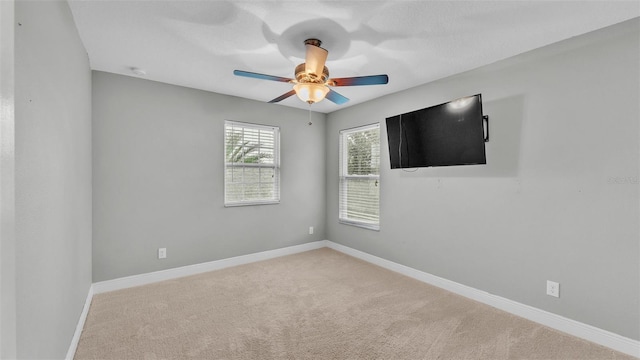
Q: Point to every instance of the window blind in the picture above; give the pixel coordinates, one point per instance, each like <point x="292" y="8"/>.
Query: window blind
<point x="359" y="194"/>
<point x="252" y="164"/>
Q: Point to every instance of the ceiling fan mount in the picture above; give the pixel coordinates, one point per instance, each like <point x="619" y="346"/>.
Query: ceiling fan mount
<point x="314" y="42"/>
<point x="311" y="83"/>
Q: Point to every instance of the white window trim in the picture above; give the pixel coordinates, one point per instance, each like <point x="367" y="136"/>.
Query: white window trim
<point x="275" y="166"/>
<point x="342" y="184"/>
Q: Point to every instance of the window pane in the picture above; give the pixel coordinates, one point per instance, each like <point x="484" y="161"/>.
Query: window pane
<point x="228" y="175"/>
<point x="266" y="190"/>
<point x="252" y="192"/>
<point x="233" y="192"/>
<point x="267" y="175"/>
<point x="363" y="152"/>
<point x="362" y="200"/>
<point x="266" y="156"/>
<point x="234" y="174"/>
<point x="233" y="146"/>
<point x="251" y="175"/>
<point x="267" y="147"/>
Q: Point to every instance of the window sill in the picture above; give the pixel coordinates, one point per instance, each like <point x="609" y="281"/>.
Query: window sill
<point x="368" y="226"/>
<point x="252" y="203"/>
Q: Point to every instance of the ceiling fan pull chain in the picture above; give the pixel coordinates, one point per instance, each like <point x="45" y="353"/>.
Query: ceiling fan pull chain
<point x="310" y="123"/>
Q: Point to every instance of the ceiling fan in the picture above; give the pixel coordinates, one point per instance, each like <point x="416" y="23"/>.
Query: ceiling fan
<point x="312" y="82"/>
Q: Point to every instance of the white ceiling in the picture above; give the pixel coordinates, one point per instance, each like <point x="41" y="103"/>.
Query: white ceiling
<point x="198" y="44"/>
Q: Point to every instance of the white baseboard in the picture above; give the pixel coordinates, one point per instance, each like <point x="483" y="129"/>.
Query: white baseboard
<point x="148" y="278"/>
<point x="554" y="321"/>
<point x="83" y="317"/>
<point x="572" y="327"/>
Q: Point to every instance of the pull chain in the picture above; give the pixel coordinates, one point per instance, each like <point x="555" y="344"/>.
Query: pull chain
<point x="310" y="123"/>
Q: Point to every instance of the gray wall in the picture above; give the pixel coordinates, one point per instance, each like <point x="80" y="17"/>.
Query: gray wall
<point x="558" y="199"/>
<point x="53" y="178"/>
<point x="7" y="183"/>
<point x="158" y="178"/>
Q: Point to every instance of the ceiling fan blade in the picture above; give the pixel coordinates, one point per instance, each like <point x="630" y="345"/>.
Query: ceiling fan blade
<point x="315" y="59"/>
<point x="336" y="97"/>
<point x="359" y="80"/>
<point x="261" y="76"/>
<point x="282" y="97"/>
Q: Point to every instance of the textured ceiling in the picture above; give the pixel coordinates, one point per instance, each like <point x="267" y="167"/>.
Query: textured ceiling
<point x="198" y="44"/>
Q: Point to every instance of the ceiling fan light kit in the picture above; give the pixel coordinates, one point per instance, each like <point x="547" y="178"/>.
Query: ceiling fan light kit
<point x="311" y="83"/>
<point x="311" y="93"/>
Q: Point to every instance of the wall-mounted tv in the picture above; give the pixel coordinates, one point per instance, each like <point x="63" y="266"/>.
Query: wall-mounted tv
<point x="448" y="134"/>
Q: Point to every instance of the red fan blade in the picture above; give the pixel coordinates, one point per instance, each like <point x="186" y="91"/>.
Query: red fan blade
<point x="359" y="80"/>
<point x="282" y="97"/>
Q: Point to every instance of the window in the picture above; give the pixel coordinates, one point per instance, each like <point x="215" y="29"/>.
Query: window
<point x="360" y="177"/>
<point x="252" y="164"/>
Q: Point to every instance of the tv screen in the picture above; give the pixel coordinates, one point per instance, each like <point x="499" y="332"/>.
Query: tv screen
<point x="443" y="135"/>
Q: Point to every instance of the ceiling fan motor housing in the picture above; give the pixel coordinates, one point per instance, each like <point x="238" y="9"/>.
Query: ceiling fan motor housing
<point x="305" y="78"/>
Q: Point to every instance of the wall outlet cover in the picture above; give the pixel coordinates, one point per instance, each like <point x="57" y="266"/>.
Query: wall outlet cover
<point x="162" y="253"/>
<point x="553" y="288"/>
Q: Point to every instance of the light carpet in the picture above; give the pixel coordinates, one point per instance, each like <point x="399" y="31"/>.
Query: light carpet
<point x="319" y="304"/>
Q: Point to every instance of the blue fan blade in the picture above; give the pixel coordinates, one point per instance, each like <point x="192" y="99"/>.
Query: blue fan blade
<point x="282" y="97"/>
<point x="336" y="98"/>
<point x="360" y="80"/>
<point x="260" y="76"/>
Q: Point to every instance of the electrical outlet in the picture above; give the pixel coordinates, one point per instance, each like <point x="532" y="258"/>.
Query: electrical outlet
<point x="553" y="288"/>
<point x="162" y="253"/>
<point x="310" y="230"/>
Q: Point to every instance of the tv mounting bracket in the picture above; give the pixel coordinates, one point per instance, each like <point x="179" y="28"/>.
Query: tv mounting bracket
<point x="485" y="118"/>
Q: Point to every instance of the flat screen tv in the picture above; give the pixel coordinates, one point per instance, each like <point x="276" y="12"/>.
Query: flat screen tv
<point x="443" y="135"/>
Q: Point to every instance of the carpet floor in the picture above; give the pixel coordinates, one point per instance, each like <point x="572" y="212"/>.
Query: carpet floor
<point x="319" y="304"/>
